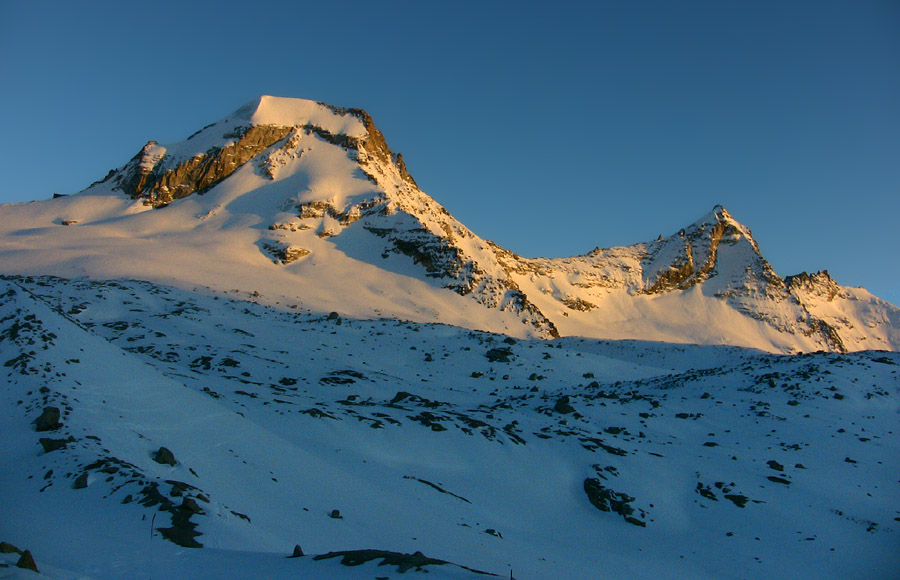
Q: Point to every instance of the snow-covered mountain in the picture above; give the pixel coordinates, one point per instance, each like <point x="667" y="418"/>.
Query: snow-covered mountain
<point x="304" y="204"/>
<point x="265" y="341"/>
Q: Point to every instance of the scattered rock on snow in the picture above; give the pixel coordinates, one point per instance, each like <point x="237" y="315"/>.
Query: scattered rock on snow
<point x="403" y="562"/>
<point x="738" y="499"/>
<point x="608" y="500"/>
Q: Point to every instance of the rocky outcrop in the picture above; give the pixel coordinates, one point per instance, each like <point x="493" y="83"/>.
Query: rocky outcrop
<point x="674" y="277"/>
<point x="373" y="144"/>
<point x="691" y="257"/>
<point x="442" y="258"/>
<point x="148" y="177"/>
<point x="819" y="285"/>
<point x="138" y="173"/>
<point x="48" y="420"/>
<point x="164" y="456"/>
<point x="608" y="500"/>
<point x="285" y="254"/>
<point x="26" y="561"/>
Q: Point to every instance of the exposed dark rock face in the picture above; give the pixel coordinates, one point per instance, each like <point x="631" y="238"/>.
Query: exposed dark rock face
<point x="578" y="304"/>
<point x="807" y="289"/>
<point x="695" y="261"/>
<point x="138" y="173"/>
<point x="164" y="457"/>
<point x="607" y="500"/>
<point x="81" y="481"/>
<point x="403" y="562"/>
<point x="499" y="354"/>
<point x="374" y="144"/>
<point x="148" y="177"/>
<point x="48" y="420"/>
<point x="675" y="276"/>
<point x="190" y="505"/>
<point x="285" y="254"/>
<point x="27" y="562"/>
<point x="828" y="333"/>
<point x="438" y="254"/>
<point x="738" y="499"/>
<point x="54" y="444"/>
<point x="182" y="531"/>
<point x="562" y="406"/>
<point x="818" y="284"/>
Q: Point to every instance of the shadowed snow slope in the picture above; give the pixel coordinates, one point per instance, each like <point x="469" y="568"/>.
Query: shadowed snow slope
<point x="550" y="459"/>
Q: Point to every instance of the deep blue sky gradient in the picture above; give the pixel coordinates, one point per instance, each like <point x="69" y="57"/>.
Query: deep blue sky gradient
<point x="551" y="127"/>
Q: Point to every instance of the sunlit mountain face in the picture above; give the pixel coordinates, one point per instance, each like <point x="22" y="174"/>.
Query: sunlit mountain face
<point x="266" y="341"/>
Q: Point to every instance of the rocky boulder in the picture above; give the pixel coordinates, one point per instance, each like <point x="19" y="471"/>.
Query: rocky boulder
<point x="49" y="420"/>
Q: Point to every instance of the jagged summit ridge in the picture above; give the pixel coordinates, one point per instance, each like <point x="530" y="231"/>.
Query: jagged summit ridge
<point x="304" y="203"/>
<point x="690" y="257"/>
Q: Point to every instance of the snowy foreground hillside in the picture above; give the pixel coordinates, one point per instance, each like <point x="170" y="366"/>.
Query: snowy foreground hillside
<point x="390" y="449"/>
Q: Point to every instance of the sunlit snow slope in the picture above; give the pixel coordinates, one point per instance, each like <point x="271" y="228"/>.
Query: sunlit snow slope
<point x="304" y="205"/>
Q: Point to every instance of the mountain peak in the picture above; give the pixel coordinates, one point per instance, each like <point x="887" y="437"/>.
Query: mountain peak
<point x="290" y="112"/>
<point x="717" y="215"/>
<point x="305" y="203"/>
<point x="719" y="221"/>
<point x="161" y="174"/>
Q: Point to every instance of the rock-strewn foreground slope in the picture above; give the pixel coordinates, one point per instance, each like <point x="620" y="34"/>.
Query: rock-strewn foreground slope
<point x="304" y="204"/>
<point x="571" y="458"/>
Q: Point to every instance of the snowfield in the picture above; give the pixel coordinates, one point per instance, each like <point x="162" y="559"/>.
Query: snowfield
<point x="266" y="341"/>
<point x="473" y="448"/>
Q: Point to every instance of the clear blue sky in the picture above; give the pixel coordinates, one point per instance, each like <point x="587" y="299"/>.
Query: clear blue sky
<point x="549" y="127"/>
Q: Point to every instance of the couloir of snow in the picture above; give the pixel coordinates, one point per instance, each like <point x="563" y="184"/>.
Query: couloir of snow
<point x="284" y="416"/>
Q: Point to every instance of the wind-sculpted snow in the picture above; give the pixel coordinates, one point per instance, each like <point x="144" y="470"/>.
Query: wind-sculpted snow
<point x="380" y="441"/>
